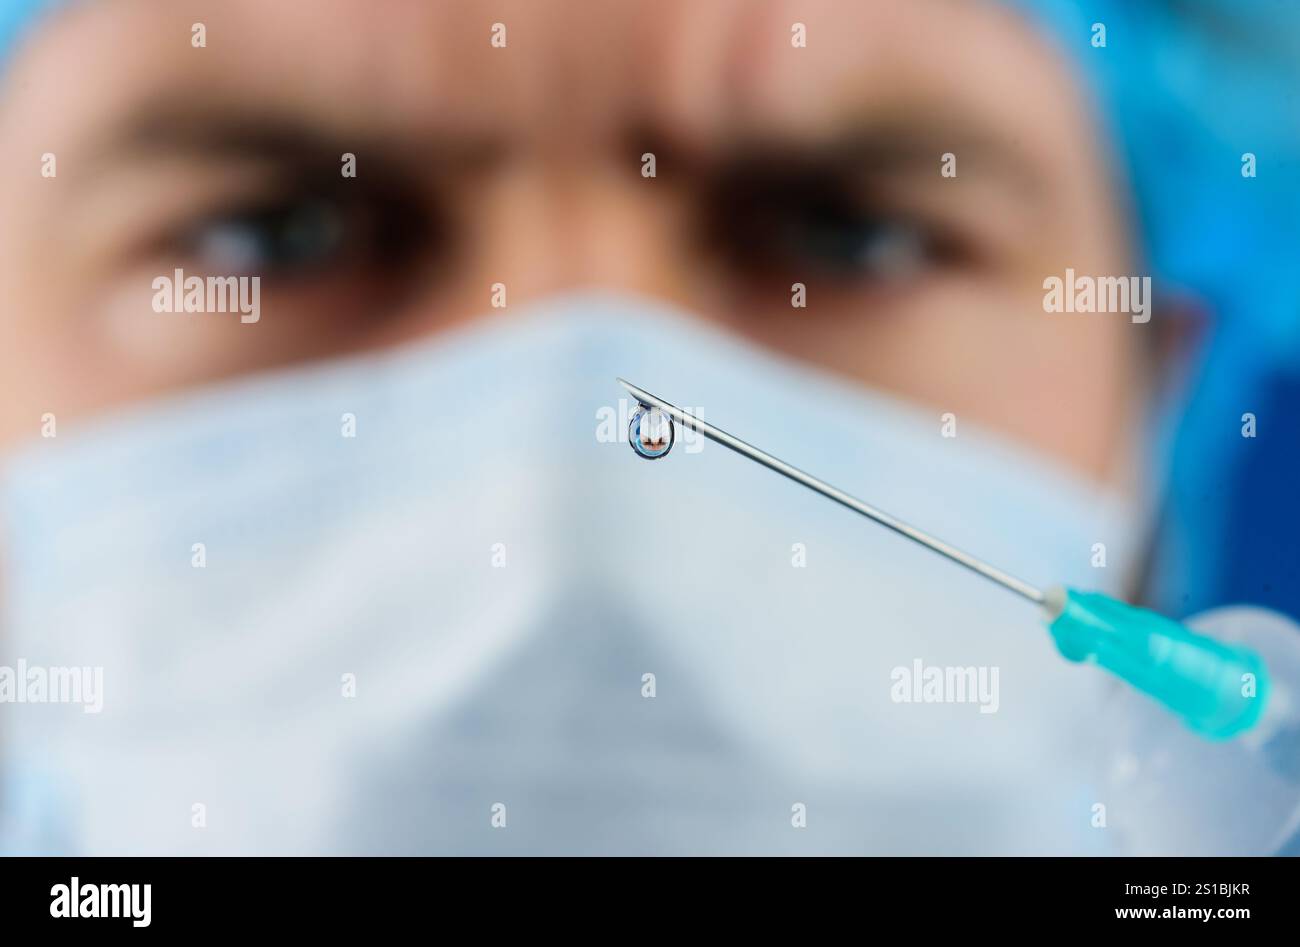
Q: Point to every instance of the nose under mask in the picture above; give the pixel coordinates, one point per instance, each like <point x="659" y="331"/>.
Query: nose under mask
<point x="431" y="601"/>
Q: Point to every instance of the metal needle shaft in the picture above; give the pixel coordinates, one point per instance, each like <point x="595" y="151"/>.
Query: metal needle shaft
<point x="690" y="421"/>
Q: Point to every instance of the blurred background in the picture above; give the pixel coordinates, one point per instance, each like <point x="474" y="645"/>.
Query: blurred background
<point x="870" y="194"/>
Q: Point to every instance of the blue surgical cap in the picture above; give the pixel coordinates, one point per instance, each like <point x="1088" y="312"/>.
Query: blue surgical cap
<point x="1188" y="90"/>
<point x="16" y="16"/>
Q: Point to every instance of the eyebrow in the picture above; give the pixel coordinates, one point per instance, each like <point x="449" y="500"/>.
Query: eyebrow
<point x="903" y="142"/>
<point x="889" y="145"/>
<point x="277" y="136"/>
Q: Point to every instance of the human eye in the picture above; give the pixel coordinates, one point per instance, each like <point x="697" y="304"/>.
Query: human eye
<point x="303" y="235"/>
<point x="791" y="220"/>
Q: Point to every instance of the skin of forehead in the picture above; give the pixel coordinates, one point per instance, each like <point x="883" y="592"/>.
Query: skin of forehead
<point x="701" y="69"/>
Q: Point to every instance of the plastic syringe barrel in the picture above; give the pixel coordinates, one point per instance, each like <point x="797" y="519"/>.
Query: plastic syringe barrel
<point x="1219" y="689"/>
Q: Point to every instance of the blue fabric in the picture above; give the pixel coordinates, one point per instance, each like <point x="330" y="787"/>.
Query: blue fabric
<point x="1187" y="87"/>
<point x="16" y="16"/>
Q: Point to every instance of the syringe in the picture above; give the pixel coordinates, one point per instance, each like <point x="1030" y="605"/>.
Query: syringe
<point x="1219" y="690"/>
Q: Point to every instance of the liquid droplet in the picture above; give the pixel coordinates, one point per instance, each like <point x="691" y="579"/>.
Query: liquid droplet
<point x="650" y="432"/>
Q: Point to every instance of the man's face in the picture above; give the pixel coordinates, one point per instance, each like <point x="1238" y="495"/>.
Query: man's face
<point x="524" y="165"/>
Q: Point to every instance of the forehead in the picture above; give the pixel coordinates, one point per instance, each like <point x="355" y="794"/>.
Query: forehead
<point x="706" y="69"/>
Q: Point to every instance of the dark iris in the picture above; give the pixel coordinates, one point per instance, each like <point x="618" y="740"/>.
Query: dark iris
<point x="791" y="220"/>
<point x="306" y="233"/>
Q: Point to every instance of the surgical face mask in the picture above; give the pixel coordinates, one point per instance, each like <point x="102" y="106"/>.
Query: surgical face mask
<point x="432" y="601"/>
